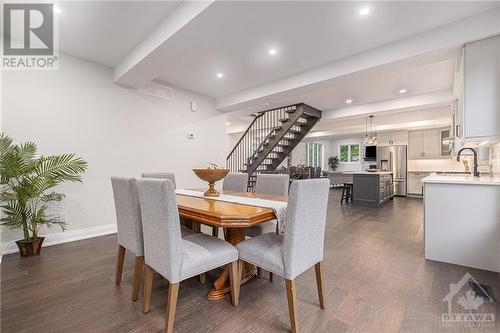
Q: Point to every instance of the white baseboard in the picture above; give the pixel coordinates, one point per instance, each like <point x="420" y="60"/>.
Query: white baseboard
<point x="66" y="236"/>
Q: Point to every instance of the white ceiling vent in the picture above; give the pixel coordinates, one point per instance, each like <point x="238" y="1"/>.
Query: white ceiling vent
<point x="158" y="90"/>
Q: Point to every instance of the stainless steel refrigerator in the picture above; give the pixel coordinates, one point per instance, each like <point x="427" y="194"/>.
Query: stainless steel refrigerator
<point x="394" y="158"/>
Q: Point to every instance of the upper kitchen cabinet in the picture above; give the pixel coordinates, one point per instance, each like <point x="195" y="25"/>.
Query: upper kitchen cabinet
<point x="392" y="138"/>
<point x="428" y="143"/>
<point x="477" y="113"/>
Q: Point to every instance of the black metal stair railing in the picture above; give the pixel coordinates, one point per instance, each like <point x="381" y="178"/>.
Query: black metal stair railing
<point x="270" y="138"/>
<point x="257" y="134"/>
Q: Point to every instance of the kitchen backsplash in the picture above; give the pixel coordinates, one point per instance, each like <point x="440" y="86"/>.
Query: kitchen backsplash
<point x="451" y="164"/>
<point x="429" y="165"/>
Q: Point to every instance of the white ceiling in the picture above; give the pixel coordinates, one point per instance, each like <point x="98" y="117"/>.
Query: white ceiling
<point x="234" y="37"/>
<point x="368" y="90"/>
<point x="375" y="88"/>
<point x="106" y="31"/>
<point x="356" y="125"/>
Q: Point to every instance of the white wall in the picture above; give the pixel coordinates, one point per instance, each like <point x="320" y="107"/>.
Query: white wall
<point x="299" y="154"/>
<point x="118" y="131"/>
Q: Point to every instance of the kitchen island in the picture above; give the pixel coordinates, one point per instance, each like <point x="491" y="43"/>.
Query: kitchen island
<point x="372" y="189"/>
<point x="462" y="220"/>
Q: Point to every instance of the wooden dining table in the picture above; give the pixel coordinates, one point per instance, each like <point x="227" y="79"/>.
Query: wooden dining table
<point x="233" y="217"/>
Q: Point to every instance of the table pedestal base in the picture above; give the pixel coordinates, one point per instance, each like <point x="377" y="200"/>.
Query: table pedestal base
<point x="221" y="284"/>
<point x="216" y="294"/>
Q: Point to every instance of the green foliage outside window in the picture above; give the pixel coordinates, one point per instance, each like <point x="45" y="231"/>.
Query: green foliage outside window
<point x="354" y="153"/>
<point x="344" y="153"/>
<point x="349" y="153"/>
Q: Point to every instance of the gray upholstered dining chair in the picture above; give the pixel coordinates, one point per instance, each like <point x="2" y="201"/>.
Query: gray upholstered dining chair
<point x="160" y="175"/>
<point x="301" y="247"/>
<point x="276" y="184"/>
<point x="170" y="255"/>
<point x="170" y="176"/>
<point x="129" y="225"/>
<point x="237" y="182"/>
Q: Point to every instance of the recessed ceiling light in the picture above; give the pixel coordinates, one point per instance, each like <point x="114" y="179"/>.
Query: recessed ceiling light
<point x="57" y="10"/>
<point x="220" y="75"/>
<point x="348" y="101"/>
<point x="272" y="51"/>
<point x="402" y="91"/>
<point x="364" y="11"/>
<point x="228" y="123"/>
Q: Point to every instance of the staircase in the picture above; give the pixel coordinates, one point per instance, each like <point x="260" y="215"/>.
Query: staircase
<point x="270" y="138"/>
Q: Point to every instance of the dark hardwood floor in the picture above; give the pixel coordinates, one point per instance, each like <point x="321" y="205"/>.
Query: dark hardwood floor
<point x="376" y="280"/>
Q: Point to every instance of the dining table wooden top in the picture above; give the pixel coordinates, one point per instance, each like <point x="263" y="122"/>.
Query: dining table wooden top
<point x="226" y="214"/>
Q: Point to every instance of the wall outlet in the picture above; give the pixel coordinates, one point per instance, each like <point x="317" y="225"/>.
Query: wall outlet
<point x="190" y="136"/>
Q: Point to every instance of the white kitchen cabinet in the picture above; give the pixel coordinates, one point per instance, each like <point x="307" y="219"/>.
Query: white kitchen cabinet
<point x="445" y="144"/>
<point x="462" y="222"/>
<point x="383" y="139"/>
<point x="476" y="113"/>
<point x="414" y="144"/>
<point x="399" y="138"/>
<point x="392" y="138"/>
<point x="415" y="185"/>
<point x="431" y="143"/>
<point x="424" y="144"/>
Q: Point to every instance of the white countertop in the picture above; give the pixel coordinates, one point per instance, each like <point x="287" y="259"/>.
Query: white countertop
<point x="462" y="179"/>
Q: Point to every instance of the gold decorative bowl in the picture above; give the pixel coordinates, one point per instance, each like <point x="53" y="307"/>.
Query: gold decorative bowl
<point x="211" y="176"/>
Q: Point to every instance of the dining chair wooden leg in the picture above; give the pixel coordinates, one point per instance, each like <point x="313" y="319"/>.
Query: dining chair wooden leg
<point x="241" y="263"/>
<point x="148" y="287"/>
<point x="215" y="231"/>
<point x="271" y="276"/>
<point x="203" y="278"/>
<point x="173" y="292"/>
<point x="234" y="280"/>
<point x="136" y="283"/>
<point x="120" y="257"/>
<point x="292" y="304"/>
<point x="319" y="281"/>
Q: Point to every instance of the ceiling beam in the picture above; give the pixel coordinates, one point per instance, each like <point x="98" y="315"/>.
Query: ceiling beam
<point x="425" y="101"/>
<point x="436" y="45"/>
<point x="140" y="65"/>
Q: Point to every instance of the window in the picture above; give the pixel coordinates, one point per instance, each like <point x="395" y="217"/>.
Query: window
<point x="349" y="153"/>
<point x="314" y="154"/>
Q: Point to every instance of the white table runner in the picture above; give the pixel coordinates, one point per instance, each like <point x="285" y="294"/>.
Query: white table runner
<point x="279" y="207"/>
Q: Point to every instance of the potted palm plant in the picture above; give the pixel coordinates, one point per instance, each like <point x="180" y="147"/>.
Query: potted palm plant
<point x="26" y="181"/>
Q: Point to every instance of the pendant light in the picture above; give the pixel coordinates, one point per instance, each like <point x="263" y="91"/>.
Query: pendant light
<point x="370" y="137"/>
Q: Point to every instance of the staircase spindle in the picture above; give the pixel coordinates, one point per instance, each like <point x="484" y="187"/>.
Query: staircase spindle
<point x="258" y="150"/>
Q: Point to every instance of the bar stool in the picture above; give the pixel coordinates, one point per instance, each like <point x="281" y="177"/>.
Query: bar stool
<point x="346" y="192"/>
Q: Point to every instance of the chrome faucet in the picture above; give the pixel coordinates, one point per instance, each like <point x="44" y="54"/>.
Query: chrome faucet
<point x="476" y="173"/>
